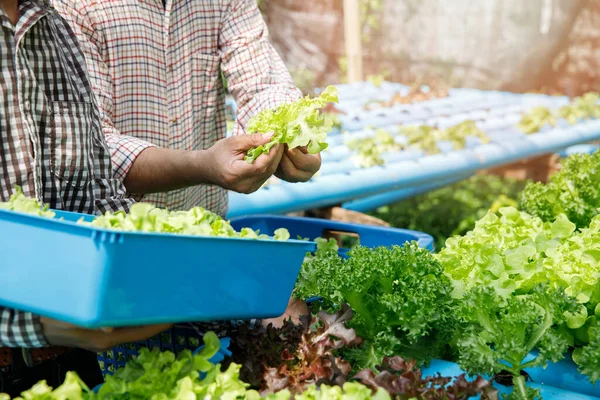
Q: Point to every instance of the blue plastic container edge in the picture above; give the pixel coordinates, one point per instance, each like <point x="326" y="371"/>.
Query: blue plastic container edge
<point x="367" y="231"/>
<point x="69" y="219"/>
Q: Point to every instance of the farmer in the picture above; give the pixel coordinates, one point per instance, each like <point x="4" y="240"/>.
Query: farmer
<point x="51" y="144"/>
<point x="156" y="67"/>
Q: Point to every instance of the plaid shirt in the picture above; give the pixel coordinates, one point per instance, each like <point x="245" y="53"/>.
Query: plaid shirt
<point x="156" y="71"/>
<point x="51" y="141"/>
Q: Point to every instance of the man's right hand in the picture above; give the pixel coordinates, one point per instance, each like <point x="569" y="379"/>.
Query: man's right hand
<point x="228" y="169"/>
<point x="59" y="333"/>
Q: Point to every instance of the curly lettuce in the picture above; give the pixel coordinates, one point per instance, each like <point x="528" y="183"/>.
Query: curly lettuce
<point x="400" y="297"/>
<point x="496" y="334"/>
<point x="573" y="191"/>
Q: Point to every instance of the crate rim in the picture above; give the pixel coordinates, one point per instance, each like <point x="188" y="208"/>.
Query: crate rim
<point x="424" y="239"/>
<point x="51" y="223"/>
<point x="328" y="221"/>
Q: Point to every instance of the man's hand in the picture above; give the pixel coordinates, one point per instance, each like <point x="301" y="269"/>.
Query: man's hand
<point x="97" y="340"/>
<point x="297" y="165"/>
<point x="228" y="169"/>
<point x="296" y="308"/>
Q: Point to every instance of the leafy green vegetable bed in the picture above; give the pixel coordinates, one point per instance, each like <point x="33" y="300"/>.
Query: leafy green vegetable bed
<point x="368" y="151"/>
<point x="511" y="286"/>
<point x="514" y="285"/>
<point x="305" y="368"/>
<point x="516" y="291"/>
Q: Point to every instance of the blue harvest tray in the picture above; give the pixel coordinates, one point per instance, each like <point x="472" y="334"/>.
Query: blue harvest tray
<point x="96" y="278"/>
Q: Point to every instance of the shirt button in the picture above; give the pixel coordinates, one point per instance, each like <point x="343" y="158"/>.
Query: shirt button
<point x="174" y="121"/>
<point x="27" y="105"/>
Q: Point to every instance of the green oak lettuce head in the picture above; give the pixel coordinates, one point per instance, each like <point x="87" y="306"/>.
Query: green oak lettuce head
<point x="573" y="191"/>
<point x="507" y="251"/>
<point x="399" y="295"/>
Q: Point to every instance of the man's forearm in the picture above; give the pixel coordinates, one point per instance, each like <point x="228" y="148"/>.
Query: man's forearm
<point x="161" y="170"/>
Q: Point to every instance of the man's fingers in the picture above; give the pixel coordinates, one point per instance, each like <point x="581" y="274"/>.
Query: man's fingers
<point x="286" y="165"/>
<point x="247" y="142"/>
<point x="267" y="163"/>
<point x="304" y="161"/>
<point x="303" y="149"/>
<point x="289" y="173"/>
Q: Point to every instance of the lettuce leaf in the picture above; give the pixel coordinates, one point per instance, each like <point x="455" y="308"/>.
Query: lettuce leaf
<point x="21" y="203"/>
<point x="536" y="119"/>
<point x="296" y="124"/>
<point x="505" y="251"/>
<point x="72" y="388"/>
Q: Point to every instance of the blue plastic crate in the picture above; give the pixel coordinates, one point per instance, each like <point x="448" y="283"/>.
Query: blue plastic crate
<point x="110" y="278"/>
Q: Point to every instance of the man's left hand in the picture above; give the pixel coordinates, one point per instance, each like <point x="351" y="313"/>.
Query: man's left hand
<point x="297" y="165"/>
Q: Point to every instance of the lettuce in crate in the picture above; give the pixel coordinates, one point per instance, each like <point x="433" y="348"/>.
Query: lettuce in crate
<point x="145" y="217"/>
<point x="21" y="203"/>
<point x="197" y="221"/>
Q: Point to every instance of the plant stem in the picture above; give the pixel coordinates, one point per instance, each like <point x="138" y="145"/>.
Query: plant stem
<point x="519" y="386"/>
<point x="530" y="364"/>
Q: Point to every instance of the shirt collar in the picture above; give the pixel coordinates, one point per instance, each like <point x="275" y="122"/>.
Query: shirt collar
<point x="31" y="12"/>
<point x="41" y="3"/>
<point x="44" y="4"/>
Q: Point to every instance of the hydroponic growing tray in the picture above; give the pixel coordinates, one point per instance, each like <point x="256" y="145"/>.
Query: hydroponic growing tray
<point x="97" y="278"/>
<point x="558" y="381"/>
<point x="409" y="171"/>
